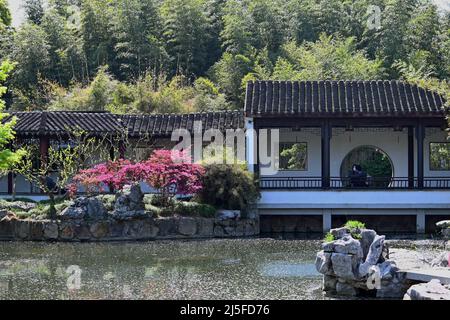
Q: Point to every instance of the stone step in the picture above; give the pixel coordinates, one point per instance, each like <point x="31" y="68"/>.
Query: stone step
<point x="426" y="275"/>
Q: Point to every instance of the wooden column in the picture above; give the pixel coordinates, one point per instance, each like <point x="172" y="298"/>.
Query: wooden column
<point x="10" y="183"/>
<point x="256" y="169"/>
<point x="326" y="139"/>
<point x="411" y="170"/>
<point x="112" y="153"/>
<point x="122" y="150"/>
<point x="44" y="145"/>
<point x="420" y="136"/>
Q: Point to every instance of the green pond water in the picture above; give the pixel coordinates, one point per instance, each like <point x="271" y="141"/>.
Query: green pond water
<point x="210" y="269"/>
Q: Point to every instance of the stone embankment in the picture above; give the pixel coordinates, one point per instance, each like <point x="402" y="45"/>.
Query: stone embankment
<point x="87" y="219"/>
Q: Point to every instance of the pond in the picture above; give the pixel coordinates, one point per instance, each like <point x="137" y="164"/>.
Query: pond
<point x="210" y="269"/>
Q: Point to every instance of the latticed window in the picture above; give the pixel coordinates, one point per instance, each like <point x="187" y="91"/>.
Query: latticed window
<point x="440" y="156"/>
<point x="293" y="156"/>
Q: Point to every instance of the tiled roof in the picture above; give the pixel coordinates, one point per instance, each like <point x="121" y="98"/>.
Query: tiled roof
<point x="340" y="98"/>
<point x="40" y="123"/>
<point x="164" y="124"/>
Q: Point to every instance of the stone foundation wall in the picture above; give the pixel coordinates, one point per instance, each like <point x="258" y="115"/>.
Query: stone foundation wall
<point x="137" y="229"/>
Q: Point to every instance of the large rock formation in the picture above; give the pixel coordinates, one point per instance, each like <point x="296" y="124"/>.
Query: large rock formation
<point x="444" y="228"/>
<point x="432" y="290"/>
<point x="85" y="208"/>
<point x="357" y="263"/>
<point x="129" y="203"/>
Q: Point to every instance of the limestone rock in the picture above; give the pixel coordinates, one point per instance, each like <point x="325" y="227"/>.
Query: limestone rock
<point x="129" y="215"/>
<point x="328" y="246"/>
<point x="446" y="233"/>
<point x="367" y="237"/>
<point x="345" y="289"/>
<point x="205" y="227"/>
<point x="187" y="226"/>
<point x="3" y="213"/>
<point x="323" y="263"/>
<point x="387" y="269"/>
<point x="348" y="245"/>
<point x="51" y="231"/>
<point x="130" y="198"/>
<point x="344" y="265"/>
<point x="84" y="208"/>
<point x="129" y="204"/>
<point x="22" y="229"/>
<point x="37" y="230"/>
<point x="66" y="230"/>
<point x="391" y="290"/>
<point x="329" y="283"/>
<point x="339" y="233"/>
<point x="432" y="290"/>
<point x="445" y="224"/>
<point x="167" y="227"/>
<point x="375" y="251"/>
<point x="99" y="229"/>
<point x="228" y="214"/>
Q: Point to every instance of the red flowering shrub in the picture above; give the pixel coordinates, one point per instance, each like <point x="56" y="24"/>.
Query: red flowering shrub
<point x="170" y="172"/>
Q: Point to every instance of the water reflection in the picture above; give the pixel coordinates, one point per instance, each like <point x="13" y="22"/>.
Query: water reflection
<point x="214" y="269"/>
<point x="284" y="269"/>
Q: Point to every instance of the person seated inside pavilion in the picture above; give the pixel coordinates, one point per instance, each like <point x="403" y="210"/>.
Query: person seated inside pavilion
<point x="357" y="177"/>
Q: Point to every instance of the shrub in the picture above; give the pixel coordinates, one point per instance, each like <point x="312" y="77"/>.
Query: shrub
<point x="228" y="187"/>
<point x="328" y="237"/>
<point x="194" y="209"/>
<point x="354" y="224"/>
<point x="169" y="172"/>
<point x="355" y="228"/>
<point x="173" y="173"/>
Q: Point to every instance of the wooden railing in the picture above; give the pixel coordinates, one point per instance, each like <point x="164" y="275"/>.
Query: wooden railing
<point x="370" y="183"/>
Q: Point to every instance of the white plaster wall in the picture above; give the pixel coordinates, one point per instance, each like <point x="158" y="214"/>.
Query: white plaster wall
<point x="394" y="144"/>
<point x="312" y="136"/>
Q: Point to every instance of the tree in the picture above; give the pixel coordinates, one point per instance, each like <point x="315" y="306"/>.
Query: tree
<point x="5" y="14"/>
<point x="185" y="32"/>
<point x="228" y="74"/>
<point x="97" y="34"/>
<point x="169" y="172"/>
<point x="52" y="172"/>
<point x="138" y="42"/>
<point x="34" y="11"/>
<point x="31" y="52"/>
<point x="8" y="158"/>
<point x="327" y="59"/>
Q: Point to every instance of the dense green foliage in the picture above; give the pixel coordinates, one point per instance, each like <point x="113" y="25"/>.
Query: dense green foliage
<point x="228" y="187"/>
<point x="188" y="55"/>
<point x="8" y="157"/>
